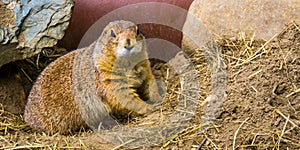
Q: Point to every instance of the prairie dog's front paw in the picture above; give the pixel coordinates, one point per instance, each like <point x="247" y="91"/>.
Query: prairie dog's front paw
<point x="157" y="92"/>
<point x="148" y="109"/>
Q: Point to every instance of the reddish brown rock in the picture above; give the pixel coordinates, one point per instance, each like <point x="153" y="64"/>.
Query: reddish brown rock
<point x="86" y="13"/>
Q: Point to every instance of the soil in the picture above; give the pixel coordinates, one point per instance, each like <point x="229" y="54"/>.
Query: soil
<point x="261" y="109"/>
<point x="12" y="93"/>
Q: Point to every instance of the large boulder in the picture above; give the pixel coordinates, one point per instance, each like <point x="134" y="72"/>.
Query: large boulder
<point x="28" y="26"/>
<point x="263" y="19"/>
<point x="86" y="13"/>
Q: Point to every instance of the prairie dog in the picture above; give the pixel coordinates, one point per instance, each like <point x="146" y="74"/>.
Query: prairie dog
<point x="123" y="80"/>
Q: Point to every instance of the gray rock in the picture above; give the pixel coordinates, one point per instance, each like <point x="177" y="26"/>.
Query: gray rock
<point x="28" y="26"/>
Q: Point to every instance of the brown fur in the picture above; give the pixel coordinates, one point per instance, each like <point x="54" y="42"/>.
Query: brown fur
<point x="121" y="88"/>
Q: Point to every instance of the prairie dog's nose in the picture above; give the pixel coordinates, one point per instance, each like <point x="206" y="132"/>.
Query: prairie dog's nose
<point x="128" y="45"/>
<point x="128" y="41"/>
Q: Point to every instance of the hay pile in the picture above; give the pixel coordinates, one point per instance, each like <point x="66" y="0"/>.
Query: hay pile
<point x="261" y="110"/>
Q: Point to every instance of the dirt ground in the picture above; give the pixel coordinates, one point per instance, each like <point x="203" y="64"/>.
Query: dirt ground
<point x="261" y="109"/>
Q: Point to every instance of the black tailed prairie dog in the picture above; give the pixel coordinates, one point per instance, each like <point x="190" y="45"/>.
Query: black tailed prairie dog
<point x="123" y="83"/>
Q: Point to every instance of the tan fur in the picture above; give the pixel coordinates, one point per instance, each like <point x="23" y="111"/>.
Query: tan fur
<point x="122" y="84"/>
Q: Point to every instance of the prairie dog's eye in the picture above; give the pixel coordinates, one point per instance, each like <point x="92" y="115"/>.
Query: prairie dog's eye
<point x="112" y="33"/>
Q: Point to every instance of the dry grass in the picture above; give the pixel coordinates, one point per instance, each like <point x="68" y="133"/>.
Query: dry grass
<point x="237" y="53"/>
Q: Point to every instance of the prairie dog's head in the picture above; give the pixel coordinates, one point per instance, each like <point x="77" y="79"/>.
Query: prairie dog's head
<point x="122" y="40"/>
<point x="128" y="41"/>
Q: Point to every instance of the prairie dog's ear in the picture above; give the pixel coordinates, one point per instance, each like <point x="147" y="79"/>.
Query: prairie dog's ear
<point x="136" y="28"/>
<point x="133" y="28"/>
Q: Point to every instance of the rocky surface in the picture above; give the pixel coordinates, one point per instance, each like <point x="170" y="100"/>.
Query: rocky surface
<point x="28" y="26"/>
